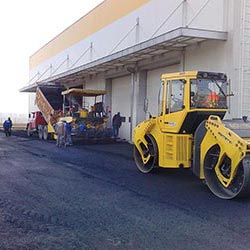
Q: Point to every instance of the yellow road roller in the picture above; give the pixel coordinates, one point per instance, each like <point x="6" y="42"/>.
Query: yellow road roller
<point x="189" y="132"/>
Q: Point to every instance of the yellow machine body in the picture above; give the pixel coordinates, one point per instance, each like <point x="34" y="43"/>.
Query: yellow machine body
<point x="174" y="150"/>
<point x="90" y="120"/>
<point x="189" y="132"/>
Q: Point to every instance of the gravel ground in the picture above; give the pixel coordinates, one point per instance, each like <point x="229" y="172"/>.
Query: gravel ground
<point x="92" y="197"/>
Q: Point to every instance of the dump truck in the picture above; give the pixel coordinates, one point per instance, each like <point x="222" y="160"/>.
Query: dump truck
<point x="36" y="120"/>
<point x="89" y="116"/>
<point x="189" y="132"/>
<point x="50" y="103"/>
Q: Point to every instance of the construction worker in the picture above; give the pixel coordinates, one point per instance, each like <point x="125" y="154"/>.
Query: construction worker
<point x="7" y="125"/>
<point x="212" y="100"/>
<point x="68" y="129"/>
<point x="60" y="132"/>
<point x="116" y="124"/>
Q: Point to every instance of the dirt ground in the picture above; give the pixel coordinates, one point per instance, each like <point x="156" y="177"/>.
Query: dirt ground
<point x="92" y="197"/>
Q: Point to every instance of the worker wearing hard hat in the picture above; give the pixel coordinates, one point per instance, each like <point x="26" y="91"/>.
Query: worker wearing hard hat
<point x="60" y="132"/>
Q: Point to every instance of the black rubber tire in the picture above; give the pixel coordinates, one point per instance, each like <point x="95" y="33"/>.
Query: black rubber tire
<point x="152" y="163"/>
<point x="29" y="133"/>
<point x="240" y="185"/>
<point x="45" y="133"/>
<point x="40" y="132"/>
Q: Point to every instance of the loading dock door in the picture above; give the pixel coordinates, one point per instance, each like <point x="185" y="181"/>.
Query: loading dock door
<point x="121" y="102"/>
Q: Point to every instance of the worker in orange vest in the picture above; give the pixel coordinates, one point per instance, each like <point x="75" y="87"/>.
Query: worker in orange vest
<point x="212" y="100"/>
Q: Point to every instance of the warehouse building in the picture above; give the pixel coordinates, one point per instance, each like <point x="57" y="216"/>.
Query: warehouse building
<point x="123" y="46"/>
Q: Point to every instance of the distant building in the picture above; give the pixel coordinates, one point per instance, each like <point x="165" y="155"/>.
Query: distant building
<point x="125" y="46"/>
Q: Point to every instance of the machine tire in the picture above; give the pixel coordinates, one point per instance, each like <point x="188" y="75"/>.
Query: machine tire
<point x="29" y="133"/>
<point x="40" y="132"/>
<point x="240" y="185"/>
<point x="45" y="133"/>
<point x="198" y="138"/>
<point x="153" y="161"/>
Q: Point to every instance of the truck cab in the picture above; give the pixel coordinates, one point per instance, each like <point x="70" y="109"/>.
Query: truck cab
<point x="36" y="119"/>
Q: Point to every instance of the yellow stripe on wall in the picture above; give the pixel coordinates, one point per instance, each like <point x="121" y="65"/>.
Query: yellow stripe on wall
<point x="104" y="14"/>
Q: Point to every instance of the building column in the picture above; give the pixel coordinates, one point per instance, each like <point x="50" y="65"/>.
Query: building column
<point x="183" y="60"/>
<point x="138" y="97"/>
<point x="108" y="100"/>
